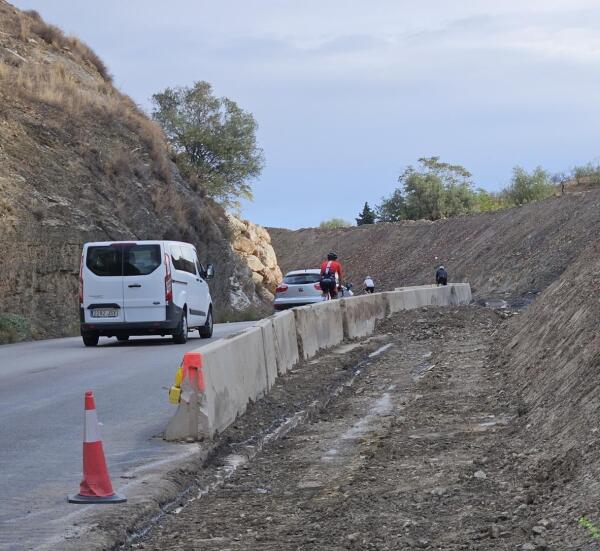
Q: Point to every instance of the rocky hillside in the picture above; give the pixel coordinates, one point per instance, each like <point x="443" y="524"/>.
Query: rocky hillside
<point x="80" y="162"/>
<point x="510" y="253"/>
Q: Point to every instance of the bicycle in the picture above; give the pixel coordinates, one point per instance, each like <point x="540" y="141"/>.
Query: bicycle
<point x="344" y="290"/>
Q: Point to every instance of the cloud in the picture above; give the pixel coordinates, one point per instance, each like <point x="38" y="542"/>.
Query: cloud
<point x="346" y="92"/>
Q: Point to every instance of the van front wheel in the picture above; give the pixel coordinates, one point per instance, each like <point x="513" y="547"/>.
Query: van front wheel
<point x="90" y="339"/>
<point x="206" y="330"/>
<point x="181" y="333"/>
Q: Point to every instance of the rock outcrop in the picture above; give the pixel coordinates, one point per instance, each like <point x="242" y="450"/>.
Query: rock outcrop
<point x="252" y="243"/>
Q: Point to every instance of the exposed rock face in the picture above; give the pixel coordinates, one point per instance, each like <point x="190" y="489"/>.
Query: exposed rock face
<point x="80" y="162"/>
<point x="253" y="244"/>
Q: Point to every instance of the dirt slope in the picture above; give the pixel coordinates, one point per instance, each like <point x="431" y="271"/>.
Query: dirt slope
<point x="513" y="252"/>
<point x="553" y="353"/>
<point x="80" y="162"/>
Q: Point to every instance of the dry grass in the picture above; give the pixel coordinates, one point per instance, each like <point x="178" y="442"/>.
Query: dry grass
<point x="31" y="23"/>
<point x="55" y="85"/>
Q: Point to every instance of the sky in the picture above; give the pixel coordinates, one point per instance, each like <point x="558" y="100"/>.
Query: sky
<point x="347" y="93"/>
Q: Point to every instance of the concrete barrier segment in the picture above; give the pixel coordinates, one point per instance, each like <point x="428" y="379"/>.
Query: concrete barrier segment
<point x="461" y="293"/>
<point x="286" y="341"/>
<point x="268" y="335"/>
<point x="234" y="372"/>
<point x="408" y="298"/>
<point x="319" y="326"/>
<point x="360" y="313"/>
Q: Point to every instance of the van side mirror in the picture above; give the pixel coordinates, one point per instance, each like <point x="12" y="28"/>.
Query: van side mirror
<point x="210" y="271"/>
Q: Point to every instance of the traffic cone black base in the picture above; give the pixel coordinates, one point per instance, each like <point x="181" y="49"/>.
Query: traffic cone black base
<point x="78" y="498"/>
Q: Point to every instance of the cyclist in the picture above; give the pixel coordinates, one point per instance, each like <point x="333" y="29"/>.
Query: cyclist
<point x="331" y="275"/>
<point x="441" y="276"/>
<point x="369" y="284"/>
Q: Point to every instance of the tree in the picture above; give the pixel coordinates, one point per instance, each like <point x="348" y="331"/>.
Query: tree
<point x="525" y="187"/>
<point x="425" y="195"/>
<point x="392" y="208"/>
<point x="213" y="139"/>
<point x="367" y="216"/>
<point x="334" y="223"/>
<point x="486" y="201"/>
<point x="433" y="190"/>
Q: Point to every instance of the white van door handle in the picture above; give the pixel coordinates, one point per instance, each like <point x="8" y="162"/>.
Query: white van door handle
<point x="134" y="285"/>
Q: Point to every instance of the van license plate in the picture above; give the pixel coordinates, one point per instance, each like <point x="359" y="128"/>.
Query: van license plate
<point x="105" y="313"/>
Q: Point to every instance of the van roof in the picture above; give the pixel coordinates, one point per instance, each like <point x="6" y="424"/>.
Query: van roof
<point x="144" y="242"/>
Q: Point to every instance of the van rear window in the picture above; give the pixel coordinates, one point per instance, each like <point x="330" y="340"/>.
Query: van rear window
<point x="123" y="259"/>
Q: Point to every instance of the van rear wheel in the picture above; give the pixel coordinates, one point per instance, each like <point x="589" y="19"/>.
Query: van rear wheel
<point x="181" y="332"/>
<point x="90" y="339"/>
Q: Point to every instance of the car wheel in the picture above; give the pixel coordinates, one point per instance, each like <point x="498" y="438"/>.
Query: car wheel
<point x="206" y="330"/>
<point x="123" y="338"/>
<point x="181" y="333"/>
<point x="90" y="339"/>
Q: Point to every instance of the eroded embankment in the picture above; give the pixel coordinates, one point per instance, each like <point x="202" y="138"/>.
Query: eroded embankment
<point x="553" y="352"/>
<point x="422" y="451"/>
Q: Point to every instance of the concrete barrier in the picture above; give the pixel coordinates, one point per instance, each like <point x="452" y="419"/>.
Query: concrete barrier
<point x="286" y="341"/>
<point x="233" y="373"/>
<point x="268" y="335"/>
<point x="408" y="298"/>
<point x="225" y="375"/>
<point x="461" y="293"/>
<point x="319" y="326"/>
<point x="360" y="313"/>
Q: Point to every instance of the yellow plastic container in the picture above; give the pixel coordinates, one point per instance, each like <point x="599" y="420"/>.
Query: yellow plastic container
<point x="175" y="395"/>
<point x="175" y="390"/>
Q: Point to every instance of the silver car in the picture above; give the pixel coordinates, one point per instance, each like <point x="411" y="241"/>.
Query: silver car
<point x="298" y="287"/>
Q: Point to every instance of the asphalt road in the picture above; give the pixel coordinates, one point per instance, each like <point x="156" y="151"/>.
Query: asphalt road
<point x="41" y="421"/>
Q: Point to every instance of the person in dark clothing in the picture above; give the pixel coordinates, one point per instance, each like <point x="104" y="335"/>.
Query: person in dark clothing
<point x="441" y="276"/>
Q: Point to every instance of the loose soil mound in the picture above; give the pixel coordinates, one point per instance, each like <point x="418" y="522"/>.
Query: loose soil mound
<point x="512" y="253"/>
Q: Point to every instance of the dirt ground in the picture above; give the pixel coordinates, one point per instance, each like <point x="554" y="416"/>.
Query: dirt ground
<point x="424" y="448"/>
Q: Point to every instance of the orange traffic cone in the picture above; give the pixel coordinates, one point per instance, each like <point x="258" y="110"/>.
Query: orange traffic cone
<point x="95" y="486"/>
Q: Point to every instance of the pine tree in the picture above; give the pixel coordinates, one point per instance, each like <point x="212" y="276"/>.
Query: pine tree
<point x="367" y="216"/>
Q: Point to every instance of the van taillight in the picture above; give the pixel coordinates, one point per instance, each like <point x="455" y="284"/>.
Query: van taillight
<point x="282" y="288"/>
<point x="81" y="281"/>
<point x="168" y="280"/>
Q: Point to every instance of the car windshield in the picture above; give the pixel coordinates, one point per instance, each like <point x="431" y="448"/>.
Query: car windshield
<point x="123" y="259"/>
<point x="301" y="279"/>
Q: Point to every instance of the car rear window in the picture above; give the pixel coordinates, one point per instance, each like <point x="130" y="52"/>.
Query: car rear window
<point x="123" y="259"/>
<point x="301" y="279"/>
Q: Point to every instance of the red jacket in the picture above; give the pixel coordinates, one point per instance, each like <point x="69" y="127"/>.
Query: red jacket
<point x="334" y="267"/>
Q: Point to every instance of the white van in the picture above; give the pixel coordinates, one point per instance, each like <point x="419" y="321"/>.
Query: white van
<point x="143" y="288"/>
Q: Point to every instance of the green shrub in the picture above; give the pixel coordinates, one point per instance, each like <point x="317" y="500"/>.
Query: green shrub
<point x="13" y="328"/>
<point x="334" y="223"/>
